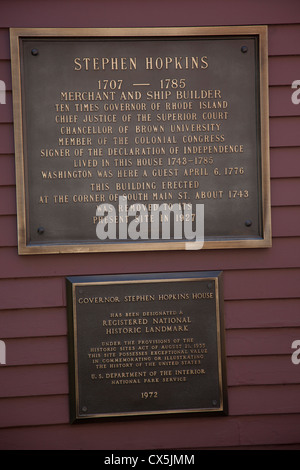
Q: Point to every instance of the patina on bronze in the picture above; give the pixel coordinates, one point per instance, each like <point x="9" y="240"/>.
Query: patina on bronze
<point x="162" y="116"/>
<point x="146" y="344"/>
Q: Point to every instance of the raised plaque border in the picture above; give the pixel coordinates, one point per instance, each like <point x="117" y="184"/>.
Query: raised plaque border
<point x="123" y="279"/>
<point x="16" y="35"/>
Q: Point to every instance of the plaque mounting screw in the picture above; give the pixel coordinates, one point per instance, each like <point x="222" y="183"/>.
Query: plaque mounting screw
<point x="40" y="230"/>
<point x="34" y="51"/>
<point x="214" y="402"/>
<point x="248" y="223"/>
<point x="244" y="49"/>
<point x="84" y="408"/>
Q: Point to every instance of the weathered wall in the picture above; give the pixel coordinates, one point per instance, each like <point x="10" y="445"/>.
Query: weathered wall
<point x="261" y="287"/>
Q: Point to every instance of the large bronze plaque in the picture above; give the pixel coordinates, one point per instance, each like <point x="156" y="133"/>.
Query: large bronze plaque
<point x="162" y="116"/>
<point x="146" y="345"/>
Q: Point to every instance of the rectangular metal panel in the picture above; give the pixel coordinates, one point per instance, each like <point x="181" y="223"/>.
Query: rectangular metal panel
<point x="162" y="116"/>
<point x="146" y="345"/>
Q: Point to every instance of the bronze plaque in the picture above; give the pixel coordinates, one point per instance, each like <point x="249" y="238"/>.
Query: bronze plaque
<point x="159" y="116"/>
<point x="146" y="344"/>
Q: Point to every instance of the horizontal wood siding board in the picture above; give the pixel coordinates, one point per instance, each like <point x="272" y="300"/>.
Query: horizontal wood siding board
<point x="284" y="39"/>
<point x="258" y="370"/>
<point x="283" y="70"/>
<point x="134" y="14"/>
<point x="286" y="221"/>
<point x="280" y="399"/>
<point x="262" y="284"/>
<point x="8" y="231"/>
<point x="284" y="131"/>
<point x="36" y="380"/>
<point x="284" y="254"/>
<point x="285" y="192"/>
<point x="32" y="323"/>
<point x="30" y="351"/>
<point x="34" y="411"/>
<point x="8" y="200"/>
<point x="280" y="101"/>
<point x="7" y="170"/>
<point x="260" y="342"/>
<point x="6" y="111"/>
<point x="32" y="293"/>
<point x="182" y="433"/>
<point x="243" y="314"/>
<point x="285" y="162"/>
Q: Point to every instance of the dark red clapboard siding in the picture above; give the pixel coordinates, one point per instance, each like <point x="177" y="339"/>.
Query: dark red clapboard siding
<point x="285" y="162"/>
<point x="32" y="293"/>
<point x="266" y="370"/>
<point x="284" y="131"/>
<point x="284" y="254"/>
<point x="34" y="411"/>
<point x="33" y="322"/>
<point x="7" y="170"/>
<point x="262" y="284"/>
<point x="262" y="313"/>
<point x="284" y="39"/>
<point x="8" y="200"/>
<point x="280" y="101"/>
<point x="8" y="230"/>
<point x="6" y="111"/>
<point x="5" y="73"/>
<point x="145" y="434"/>
<point x="30" y="351"/>
<point x="26" y="381"/>
<point x="285" y="221"/>
<point x="261" y="341"/>
<point x="285" y="191"/>
<point x="135" y="14"/>
<point x="283" y="70"/>
<point x="278" y="399"/>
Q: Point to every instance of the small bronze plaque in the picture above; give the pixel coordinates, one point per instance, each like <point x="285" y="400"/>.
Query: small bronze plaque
<point x="160" y="117"/>
<point x="146" y="344"/>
